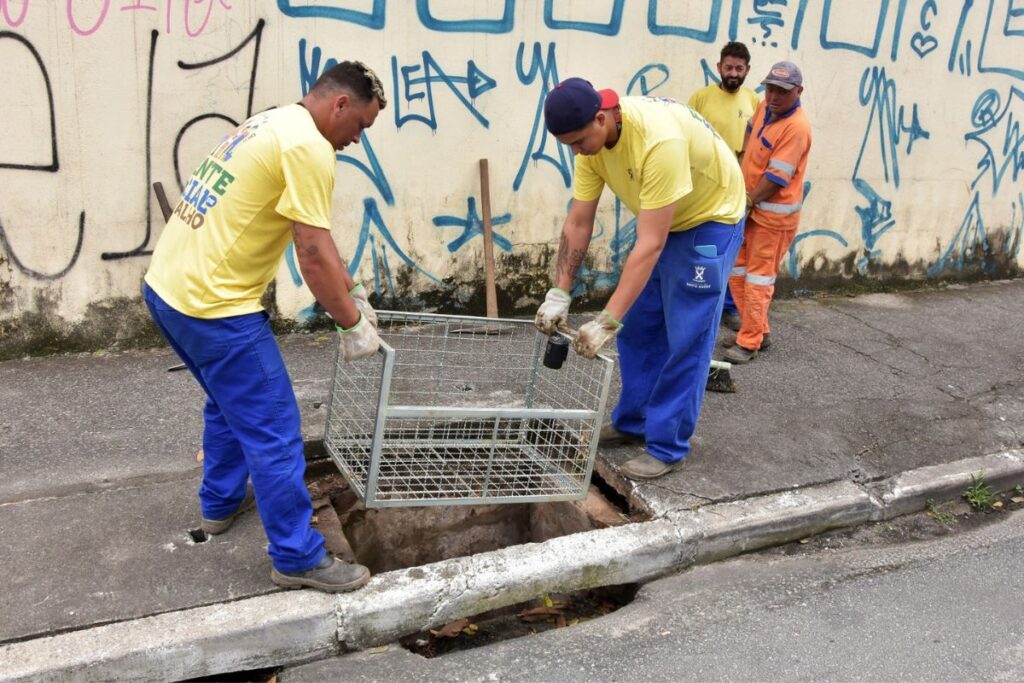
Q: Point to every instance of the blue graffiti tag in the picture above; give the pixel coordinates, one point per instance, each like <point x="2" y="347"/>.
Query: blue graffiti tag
<point x="421" y="87"/>
<point x="870" y="50"/>
<point x="472" y="226"/>
<point x="875" y="220"/>
<point x="609" y="29"/>
<point x="969" y="237"/>
<point x="323" y="10"/>
<point x="1009" y="40"/>
<point x="878" y="92"/>
<point x="504" y="24"/>
<point x="767" y="19"/>
<point x="998" y="130"/>
<point x="707" y="35"/>
<point x="373" y="227"/>
<point x="641" y="79"/>
<point x="546" y="71"/>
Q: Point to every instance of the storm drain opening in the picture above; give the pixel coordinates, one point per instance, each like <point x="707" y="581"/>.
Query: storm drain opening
<point x="385" y="539"/>
<point x="546" y="613"/>
<point x="198" y="536"/>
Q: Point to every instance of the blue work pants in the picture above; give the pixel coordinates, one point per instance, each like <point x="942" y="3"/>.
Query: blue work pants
<point x="252" y="427"/>
<point x="668" y="337"/>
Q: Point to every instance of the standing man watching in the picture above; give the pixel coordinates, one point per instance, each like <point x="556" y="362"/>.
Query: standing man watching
<point x="680" y="179"/>
<point x="774" y="161"/>
<point x="728" y="106"/>
<point x="268" y="183"/>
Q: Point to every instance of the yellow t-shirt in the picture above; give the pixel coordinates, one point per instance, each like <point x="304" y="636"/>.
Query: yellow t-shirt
<point x="666" y="152"/>
<point x="224" y="242"/>
<point x="727" y="112"/>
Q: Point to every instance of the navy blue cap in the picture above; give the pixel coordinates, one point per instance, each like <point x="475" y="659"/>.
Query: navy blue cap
<point x="573" y="104"/>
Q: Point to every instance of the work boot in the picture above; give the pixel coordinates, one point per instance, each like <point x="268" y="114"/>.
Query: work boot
<point x="611" y="437"/>
<point x="729" y="339"/>
<point x="646" y="466"/>
<point x="738" y="355"/>
<point x="219" y="526"/>
<point x="732" y="321"/>
<point x="331" y="575"/>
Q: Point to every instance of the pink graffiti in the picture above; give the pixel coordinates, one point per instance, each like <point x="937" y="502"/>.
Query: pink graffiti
<point x="189" y="13"/>
<point x="206" y="20"/>
<point x="7" y="15"/>
<point x="99" y="22"/>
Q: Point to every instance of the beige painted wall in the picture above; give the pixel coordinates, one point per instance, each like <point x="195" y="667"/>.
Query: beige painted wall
<point x="915" y="171"/>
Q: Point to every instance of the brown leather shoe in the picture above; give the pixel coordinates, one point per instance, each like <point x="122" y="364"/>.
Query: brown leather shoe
<point x="611" y="437"/>
<point x="646" y="466"/>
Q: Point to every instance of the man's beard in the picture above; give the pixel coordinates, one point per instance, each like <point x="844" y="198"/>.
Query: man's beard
<point x="733" y="83"/>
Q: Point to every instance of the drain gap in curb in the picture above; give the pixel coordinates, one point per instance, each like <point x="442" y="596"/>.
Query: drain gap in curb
<point x="546" y="613"/>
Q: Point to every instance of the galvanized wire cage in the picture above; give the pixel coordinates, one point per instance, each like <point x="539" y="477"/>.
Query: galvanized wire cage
<point x="461" y="410"/>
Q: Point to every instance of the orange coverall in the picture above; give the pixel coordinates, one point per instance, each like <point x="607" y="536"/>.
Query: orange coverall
<point x="777" y="149"/>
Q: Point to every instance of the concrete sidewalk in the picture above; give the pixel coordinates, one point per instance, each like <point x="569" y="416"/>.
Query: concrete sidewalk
<point x="98" y="476"/>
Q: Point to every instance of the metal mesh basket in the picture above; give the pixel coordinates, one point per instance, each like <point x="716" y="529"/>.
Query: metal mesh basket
<point x="461" y="410"/>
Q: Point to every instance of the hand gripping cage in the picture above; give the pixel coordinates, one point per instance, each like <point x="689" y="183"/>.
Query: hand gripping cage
<point x="461" y="410"/>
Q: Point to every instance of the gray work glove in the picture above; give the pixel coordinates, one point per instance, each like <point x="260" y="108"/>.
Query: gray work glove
<point x="362" y="301"/>
<point x="553" y="311"/>
<point x="358" y="341"/>
<point x="595" y="334"/>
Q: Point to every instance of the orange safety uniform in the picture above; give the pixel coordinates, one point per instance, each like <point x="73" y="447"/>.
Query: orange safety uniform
<point x="777" y="149"/>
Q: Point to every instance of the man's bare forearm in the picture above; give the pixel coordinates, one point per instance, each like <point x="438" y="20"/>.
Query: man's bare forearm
<point x="325" y="273"/>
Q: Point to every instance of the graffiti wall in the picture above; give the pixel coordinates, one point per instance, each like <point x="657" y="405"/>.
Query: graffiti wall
<point x="917" y="108"/>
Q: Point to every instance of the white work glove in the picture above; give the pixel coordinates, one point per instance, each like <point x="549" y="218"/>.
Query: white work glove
<point x="595" y="334"/>
<point x="362" y="301"/>
<point x="553" y="311"/>
<point x="358" y="341"/>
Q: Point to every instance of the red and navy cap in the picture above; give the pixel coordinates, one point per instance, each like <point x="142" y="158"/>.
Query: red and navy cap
<point x="574" y="103"/>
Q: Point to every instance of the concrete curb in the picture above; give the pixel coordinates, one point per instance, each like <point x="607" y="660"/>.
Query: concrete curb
<point x="298" y="626"/>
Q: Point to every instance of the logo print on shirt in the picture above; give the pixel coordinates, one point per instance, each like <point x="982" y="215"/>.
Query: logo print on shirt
<point x="629" y="172"/>
<point x="698" y="273"/>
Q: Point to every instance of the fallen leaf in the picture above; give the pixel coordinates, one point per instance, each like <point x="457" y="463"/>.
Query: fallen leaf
<point x="378" y="650"/>
<point x="322" y="338"/>
<point x="539" y="614"/>
<point x="1017" y="499"/>
<point x="805" y="541"/>
<point x="471" y="630"/>
<point x="997" y="504"/>
<point x="548" y="602"/>
<point x="199" y="455"/>
<point x="451" y="629"/>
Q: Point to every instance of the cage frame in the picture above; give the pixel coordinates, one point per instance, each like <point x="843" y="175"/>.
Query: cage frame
<point x="367" y="490"/>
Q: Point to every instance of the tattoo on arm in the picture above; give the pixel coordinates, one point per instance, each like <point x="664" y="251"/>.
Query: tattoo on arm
<point x="569" y="261"/>
<point x="301" y="248"/>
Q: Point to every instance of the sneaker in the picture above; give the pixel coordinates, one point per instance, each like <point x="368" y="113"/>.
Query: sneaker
<point x="766" y="341"/>
<point x="738" y="355"/>
<point x="331" y="575"/>
<point x="219" y="526"/>
<point x="732" y="321"/>
<point x="646" y="466"/>
<point x="611" y="437"/>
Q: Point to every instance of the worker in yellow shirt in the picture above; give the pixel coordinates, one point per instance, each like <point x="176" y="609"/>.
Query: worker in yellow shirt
<point x="267" y="184"/>
<point x="682" y="181"/>
<point x="728" y="106"/>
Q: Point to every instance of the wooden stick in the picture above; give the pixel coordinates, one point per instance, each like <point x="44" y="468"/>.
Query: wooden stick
<point x="161" y="199"/>
<point x="485" y="210"/>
